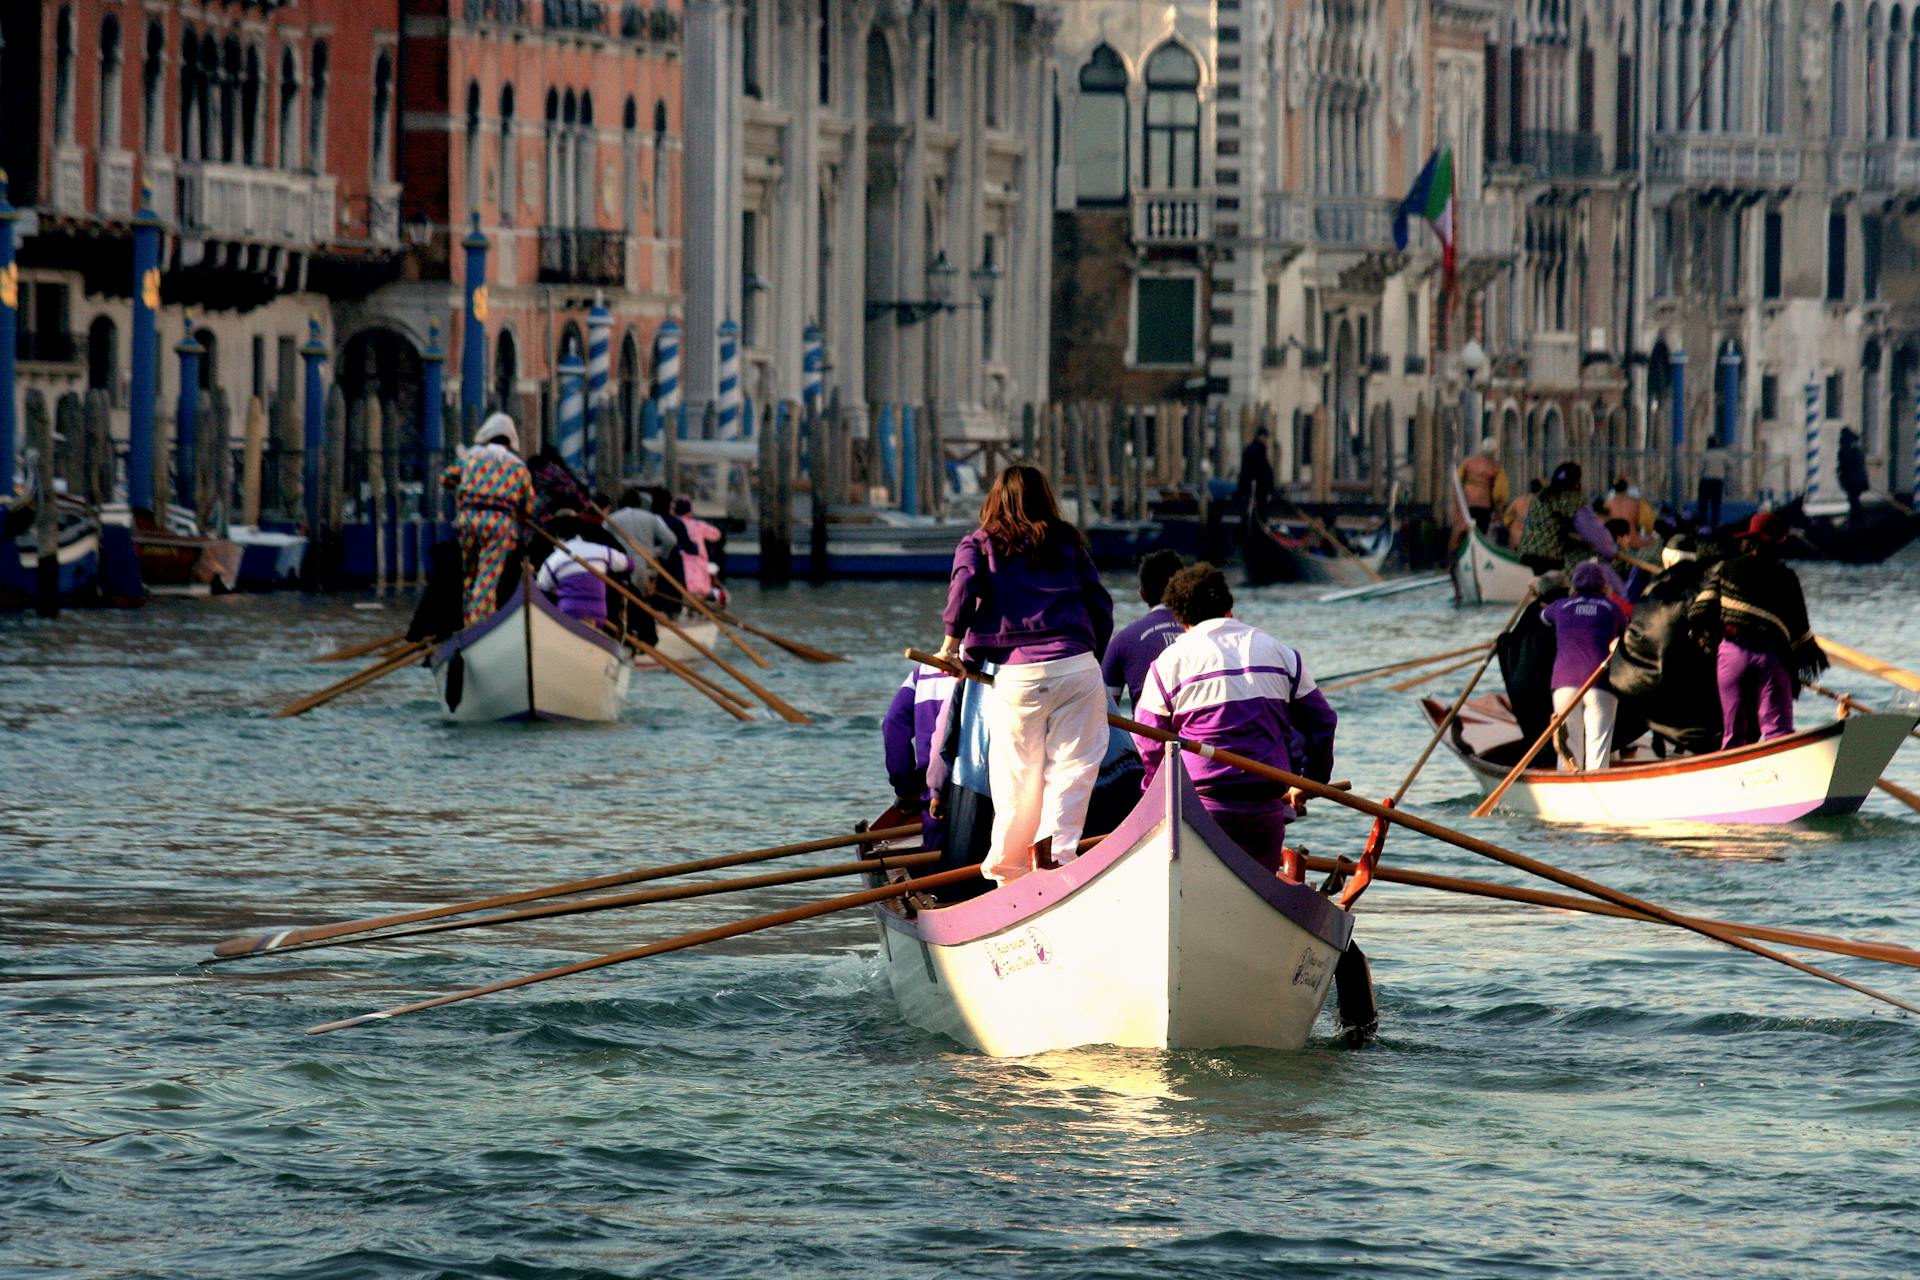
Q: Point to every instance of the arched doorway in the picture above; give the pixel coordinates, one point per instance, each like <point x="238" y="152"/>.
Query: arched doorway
<point x="103" y="357"/>
<point x="506" y="373"/>
<point x="630" y="393"/>
<point x="1553" y="437"/>
<point x="1901" y="425"/>
<point x="1874" y="413"/>
<point x="383" y="365"/>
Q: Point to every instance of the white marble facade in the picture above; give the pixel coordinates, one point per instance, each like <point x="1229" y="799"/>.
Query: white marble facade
<point x="837" y="147"/>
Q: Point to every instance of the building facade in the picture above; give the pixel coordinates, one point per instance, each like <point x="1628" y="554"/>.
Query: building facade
<point x="264" y="135"/>
<point x="554" y="126"/>
<point x="878" y="169"/>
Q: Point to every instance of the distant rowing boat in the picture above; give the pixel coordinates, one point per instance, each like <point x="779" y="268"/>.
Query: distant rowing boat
<point x="1815" y="772"/>
<point x="1164" y="935"/>
<point x="1484" y="573"/>
<point x="530" y="661"/>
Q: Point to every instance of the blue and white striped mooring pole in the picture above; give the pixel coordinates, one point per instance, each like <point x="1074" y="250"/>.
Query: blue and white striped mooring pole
<point x="813" y="366"/>
<point x="667" y="368"/>
<point x="1813" y="437"/>
<point x="572" y="433"/>
<point x="728" y="401"/>
<point x="599" y="345"/>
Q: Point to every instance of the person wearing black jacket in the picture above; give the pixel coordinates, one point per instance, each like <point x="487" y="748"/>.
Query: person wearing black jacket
<point x="1526" y="658"/>
<point x="1752" y="616"/>
<point x="1658" y="668"/>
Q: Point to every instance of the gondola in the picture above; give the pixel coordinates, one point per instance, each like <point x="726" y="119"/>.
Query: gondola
<point x="1826" y="532"/>
<point x="1816" y="772"/>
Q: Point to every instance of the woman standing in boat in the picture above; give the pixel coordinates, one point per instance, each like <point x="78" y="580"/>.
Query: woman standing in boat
<point x="1025" y="595"/>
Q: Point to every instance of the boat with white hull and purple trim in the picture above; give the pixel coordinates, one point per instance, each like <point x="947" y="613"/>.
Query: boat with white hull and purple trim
<point x="1164" y="935"/>
<point x="1817" y="772"/>
<point x="530" y="661"/>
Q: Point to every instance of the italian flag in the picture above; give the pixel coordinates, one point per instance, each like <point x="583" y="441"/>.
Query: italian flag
<point x="1432" y="200"/>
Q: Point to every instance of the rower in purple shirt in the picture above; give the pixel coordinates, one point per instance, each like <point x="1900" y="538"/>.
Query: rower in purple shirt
<point x="1231" y="686"/>
<point x="906" y="734"/>
<point x="1585" y="625"/>
<point x="1025" y="594"/>
<point x="1136" y="645"/>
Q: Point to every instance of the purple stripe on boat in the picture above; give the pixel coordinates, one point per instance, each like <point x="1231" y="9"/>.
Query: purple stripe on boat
<point x="1172" y="798"/>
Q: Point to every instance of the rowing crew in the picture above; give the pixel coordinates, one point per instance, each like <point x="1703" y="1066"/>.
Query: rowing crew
<point x="1026" y="602"/>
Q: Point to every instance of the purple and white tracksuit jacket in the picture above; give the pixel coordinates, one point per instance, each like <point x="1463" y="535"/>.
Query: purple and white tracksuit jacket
<point x="1232" y="686"/>
<point x="907" y="733"/>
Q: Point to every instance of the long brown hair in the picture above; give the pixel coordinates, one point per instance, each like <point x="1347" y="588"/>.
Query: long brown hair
<point x="1021" y="516"/>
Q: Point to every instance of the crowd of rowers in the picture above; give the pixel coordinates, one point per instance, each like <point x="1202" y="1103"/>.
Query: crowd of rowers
<point x="509" y="513"/>
<point x="1706" y="643"/>
<point x="1025" y="603"/>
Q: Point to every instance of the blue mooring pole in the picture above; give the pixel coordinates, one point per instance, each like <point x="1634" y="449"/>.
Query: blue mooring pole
<point x="144" y="387"/>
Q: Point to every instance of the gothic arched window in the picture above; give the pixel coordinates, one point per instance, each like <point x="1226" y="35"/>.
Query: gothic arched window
<point x="1100" y="129"/>
<point x="1173" y="118"/>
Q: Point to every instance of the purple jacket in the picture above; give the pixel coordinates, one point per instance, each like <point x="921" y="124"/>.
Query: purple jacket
<point x="1229" y="685"/>
<point x="1001" y="604"/>
<point x="1583" y="628"/>
<point x="1133" y="649"/>
<point x="906" y="734"/>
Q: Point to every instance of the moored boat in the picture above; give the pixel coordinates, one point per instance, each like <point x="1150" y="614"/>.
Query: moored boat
<point x="176" y="556"/>
<point x="76" y="554"/>
<point x="1816" y="772"/>
<point x="1293" y="551"/>
<point x="530" y="661"/>
<point x="1163" y="935"/>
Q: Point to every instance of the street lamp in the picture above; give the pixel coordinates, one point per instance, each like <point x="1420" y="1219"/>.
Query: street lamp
<point x="940" y="274"/>
<point x="986" y="280"/>
<point x="1474" y="366"/>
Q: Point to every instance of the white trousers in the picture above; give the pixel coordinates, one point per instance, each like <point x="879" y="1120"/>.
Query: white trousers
<point x="1588" y="732"/>
<point x="1047" y="734"/>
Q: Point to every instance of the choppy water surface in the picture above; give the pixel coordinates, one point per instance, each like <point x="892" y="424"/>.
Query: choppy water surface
<point x="1551" y="1093"/>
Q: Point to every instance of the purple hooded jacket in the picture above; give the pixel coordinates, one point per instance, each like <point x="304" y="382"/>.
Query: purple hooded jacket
<point x="1021" y="609"/>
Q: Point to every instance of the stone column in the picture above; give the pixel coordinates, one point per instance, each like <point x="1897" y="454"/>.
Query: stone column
<point x="710" y="181"/>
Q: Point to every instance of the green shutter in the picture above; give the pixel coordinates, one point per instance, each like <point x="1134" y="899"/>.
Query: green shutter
<point x="1163" y="324"/>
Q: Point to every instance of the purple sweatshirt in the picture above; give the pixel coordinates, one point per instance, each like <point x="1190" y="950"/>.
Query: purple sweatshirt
<point x="1019" y="609"/>
<point x="906" y="734"/>
<point x="1583" y="628"/>
<point x="1133" y="649"/>
<point x="1229" y="685"/>
<point x="574" y="587"/>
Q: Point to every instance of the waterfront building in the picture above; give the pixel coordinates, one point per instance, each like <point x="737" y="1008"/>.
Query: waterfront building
<point x="557" y="124"/>
<point x="265" y="134"/>
<point x="878" y="169"/>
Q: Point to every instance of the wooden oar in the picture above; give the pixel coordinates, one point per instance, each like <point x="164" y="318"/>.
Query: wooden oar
<point x="1850" y="657"/>
<point x="1485" y="807"/>
<point x="1889" y="952"/>
<point x="1846" y="700"/>
<point x="1346" y="678"/>
<point x="754" y="924"/>
<point x="1460" y="840"/>
<point x="1405" y="686"/>
<point x="362" y="650"/>
<point x="805" y="652"/>
<point x="739" y="642"/>
<point x="674" y="893"/>
<point x="384" y="667"/>
<point x="779" y="705"/>
<point x="1900" y="793"/>
<point x="261" y="944"/>
<point x="1453" y="712"/>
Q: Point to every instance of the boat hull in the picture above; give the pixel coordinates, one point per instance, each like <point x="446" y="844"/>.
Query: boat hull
<point x="1487" y="574"/>
<point x="530" y="661"/>
<point x="1165" y="935"/>
<point x="699" y="630"/>
<point x="1826" y="770"/>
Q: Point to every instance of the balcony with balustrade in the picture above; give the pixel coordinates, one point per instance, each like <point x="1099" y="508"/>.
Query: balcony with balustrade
<point x="239" y="202"/>
<point x="1341" y="224"/>
<point x="1162" y="218"/>
<point x="1750" y="160"/>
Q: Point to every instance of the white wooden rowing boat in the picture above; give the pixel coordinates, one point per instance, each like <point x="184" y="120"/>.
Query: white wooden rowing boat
<point x="1815" y="772"/>
<point x="1163" y="935"/>
<point x="530" y="661"/>
<point x="704" y="630"/>
<point x="1487" y="574"/>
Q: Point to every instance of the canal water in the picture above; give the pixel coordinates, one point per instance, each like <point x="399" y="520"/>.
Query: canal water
<point x="1550" y="1093"/>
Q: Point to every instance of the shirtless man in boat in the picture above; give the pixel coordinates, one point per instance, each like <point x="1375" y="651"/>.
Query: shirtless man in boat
<point x="1230" y="685"/>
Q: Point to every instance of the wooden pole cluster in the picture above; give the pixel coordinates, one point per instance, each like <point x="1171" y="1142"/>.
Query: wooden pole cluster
<point x="775" y="492"/>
